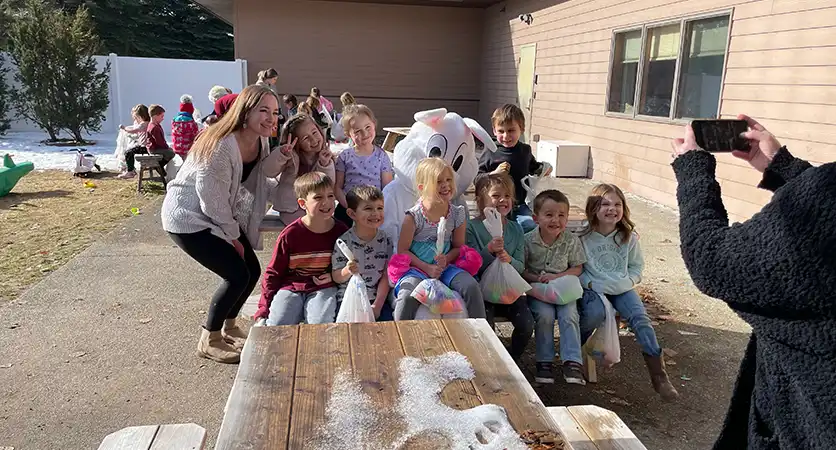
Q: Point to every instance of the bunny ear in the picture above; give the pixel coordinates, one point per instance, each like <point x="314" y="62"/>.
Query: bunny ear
<point x="480" y="134"/>
<point x="431" y="117"/>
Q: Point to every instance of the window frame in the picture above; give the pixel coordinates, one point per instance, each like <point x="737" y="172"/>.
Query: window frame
<point x="683" y="23"/>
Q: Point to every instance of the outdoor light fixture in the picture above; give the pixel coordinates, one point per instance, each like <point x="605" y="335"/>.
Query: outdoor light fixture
<point x="526" y="18"/>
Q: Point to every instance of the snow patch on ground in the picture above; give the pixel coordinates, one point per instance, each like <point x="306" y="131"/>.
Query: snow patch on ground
<point x="26" y="146"/>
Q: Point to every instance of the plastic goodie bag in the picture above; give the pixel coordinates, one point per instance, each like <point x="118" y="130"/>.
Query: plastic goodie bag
<point x="355" y="307"/>
<point x="604" y="345"/>
<point x="500" y="282"/>
<point x="560" y="291"/>
<point x="529" y="184"/>
<point x="434" y="294"/>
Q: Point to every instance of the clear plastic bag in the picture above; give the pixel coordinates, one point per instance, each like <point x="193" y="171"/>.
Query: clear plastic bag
<point x="500" y="282"/>
<point x="437" y="297"/>
<point x="559" y="291"/>
<point x="356" y="306"/>
<point x="434" y="294"/>
<point x="529" y="184"/>
<point x="604" y="345"/>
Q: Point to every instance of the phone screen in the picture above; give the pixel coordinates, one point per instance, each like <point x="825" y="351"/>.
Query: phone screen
<point x="720" y="135"/>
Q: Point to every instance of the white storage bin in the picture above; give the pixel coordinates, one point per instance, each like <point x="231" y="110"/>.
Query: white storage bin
<point x="569" y="159"/>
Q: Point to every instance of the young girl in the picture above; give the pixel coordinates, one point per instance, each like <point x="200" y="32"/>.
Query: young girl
<point x="614" y="266"/>
<point x="327" y="106"/>
<point x="365" y="164"/>
<point x="137" y="136"/>
<point x="291" y="104"/>
<point x="436" y="187"/>
<point x="496" y="190"/>
<point x="184" y="128"/>
<point x="338" y="130"/>
<point x="309" y="152"/>
<point x="314" y="109"/>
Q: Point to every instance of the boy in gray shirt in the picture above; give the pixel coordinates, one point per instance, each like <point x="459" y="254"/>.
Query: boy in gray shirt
<point x="371" y="247"/>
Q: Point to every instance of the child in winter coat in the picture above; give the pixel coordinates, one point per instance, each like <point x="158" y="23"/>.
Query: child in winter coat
<point x="184" y="128"/>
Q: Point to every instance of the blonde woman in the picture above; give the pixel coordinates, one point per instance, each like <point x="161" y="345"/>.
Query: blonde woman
<point x="214" y="207"/>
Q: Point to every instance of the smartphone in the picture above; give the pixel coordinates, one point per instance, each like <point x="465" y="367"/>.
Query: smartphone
<point x="719" y="136"/>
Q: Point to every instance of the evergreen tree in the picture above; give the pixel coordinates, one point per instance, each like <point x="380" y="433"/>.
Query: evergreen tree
<point x="159" y="29"/>
<point x="5" y="89"/>
<point x="5" y="97"/>
<point x="61" y="87"/>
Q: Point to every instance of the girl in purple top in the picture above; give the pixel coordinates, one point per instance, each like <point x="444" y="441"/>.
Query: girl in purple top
<point x="365" y="164"/>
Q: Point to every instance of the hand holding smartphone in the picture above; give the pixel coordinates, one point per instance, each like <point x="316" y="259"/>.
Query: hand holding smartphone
<point x="721" y="136"/>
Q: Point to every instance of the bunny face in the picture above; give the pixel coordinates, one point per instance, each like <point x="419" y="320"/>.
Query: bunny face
<point x="446" y="135"/>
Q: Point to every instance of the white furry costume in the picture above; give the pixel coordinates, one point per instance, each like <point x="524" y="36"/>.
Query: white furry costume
<point x="435" y="133"/>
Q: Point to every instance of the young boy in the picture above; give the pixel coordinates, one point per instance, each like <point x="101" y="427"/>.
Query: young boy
<point x="552" y="252"/>
<point x="513" y="157"/>
<point x="370" y="245"/>
<point x="297" y="285"/>
<point x="156" y="143"/>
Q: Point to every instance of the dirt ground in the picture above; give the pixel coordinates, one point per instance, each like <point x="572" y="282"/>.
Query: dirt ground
<point x="50" y="216"/>
<point x="107" y="341"/>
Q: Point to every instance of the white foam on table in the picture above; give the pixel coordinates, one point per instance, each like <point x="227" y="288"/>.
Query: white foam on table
<point x="353" y="421"/>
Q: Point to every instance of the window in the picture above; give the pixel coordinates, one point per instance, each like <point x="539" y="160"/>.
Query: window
<point x="669" y="71"/>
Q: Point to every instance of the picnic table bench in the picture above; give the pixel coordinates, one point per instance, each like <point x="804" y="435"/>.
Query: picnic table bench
<point x="392" y="135"/>
<point x="148" y="164"/>
<point x="184" y="436"/>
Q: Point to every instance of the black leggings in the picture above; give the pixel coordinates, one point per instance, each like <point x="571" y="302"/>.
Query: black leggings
<point x="239" y="275"/>
<point x="522" y="319"/>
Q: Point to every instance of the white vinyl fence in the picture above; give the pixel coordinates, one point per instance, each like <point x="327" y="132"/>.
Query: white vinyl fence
<point x="154" y="81"/>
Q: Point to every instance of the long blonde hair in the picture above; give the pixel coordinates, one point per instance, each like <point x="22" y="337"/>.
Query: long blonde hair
<point x="427" y="175"/>
<point x="625" y="226"/>
<point x="347" y="99"/>
<point x="234" y="120"/>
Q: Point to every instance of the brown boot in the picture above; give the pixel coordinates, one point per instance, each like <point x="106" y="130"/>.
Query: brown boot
<point x="212" y="346"/>
<point x="234" y="335"/>
<point x="659" y="377"/>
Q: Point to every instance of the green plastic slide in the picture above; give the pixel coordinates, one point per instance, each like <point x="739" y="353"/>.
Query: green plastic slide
<point x="11" y="173"/>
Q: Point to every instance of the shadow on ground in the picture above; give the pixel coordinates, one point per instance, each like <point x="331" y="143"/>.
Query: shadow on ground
<point x="107" y="341"/>
<point x="14" y="199"/>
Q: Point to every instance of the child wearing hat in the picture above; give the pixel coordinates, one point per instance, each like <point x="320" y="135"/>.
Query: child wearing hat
<point x="184" y="128"/>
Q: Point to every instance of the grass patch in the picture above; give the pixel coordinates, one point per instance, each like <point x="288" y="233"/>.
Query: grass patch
<point x="50" y="216"/>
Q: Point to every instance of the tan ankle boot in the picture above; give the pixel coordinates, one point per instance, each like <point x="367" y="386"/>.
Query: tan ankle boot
<point x="233" y="334"/>
<point x="659" y="377"/>
<point x="213" y="346"/>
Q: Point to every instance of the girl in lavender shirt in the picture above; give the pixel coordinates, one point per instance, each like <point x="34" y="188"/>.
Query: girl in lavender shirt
<point x="365" y="164"/>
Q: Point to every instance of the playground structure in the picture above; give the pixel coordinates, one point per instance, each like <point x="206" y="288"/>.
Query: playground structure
<point x="11" y="173"/>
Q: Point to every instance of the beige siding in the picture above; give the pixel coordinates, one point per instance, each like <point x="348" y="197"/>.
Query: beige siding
<point x="397" y="59"/>
<point x="781" y="69"/>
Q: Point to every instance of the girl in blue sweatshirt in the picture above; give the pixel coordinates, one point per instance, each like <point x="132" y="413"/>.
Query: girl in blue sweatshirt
<point x="614" y="267"/>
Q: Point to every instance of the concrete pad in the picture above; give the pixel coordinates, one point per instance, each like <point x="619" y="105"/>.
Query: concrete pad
<point x="107" y="341"/>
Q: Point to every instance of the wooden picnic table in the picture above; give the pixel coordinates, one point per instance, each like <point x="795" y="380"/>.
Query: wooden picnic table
<point x="392" y="134"/>
<point x="285" y="376"/>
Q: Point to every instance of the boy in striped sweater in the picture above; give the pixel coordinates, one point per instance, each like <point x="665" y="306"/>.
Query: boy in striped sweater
<point x="297" y="284"/>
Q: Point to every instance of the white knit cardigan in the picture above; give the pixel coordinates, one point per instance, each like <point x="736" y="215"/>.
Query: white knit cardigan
<point x="210" y="194"/>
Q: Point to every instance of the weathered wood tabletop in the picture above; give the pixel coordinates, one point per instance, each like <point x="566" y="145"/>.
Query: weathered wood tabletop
<point x="285" y="377"/>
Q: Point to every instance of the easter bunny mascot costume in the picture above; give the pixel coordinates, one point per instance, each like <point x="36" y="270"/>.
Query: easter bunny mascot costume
<point x="436" y="133"/>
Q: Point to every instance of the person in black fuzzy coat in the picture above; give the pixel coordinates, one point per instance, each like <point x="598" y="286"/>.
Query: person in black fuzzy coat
<point x="777" y="270"/>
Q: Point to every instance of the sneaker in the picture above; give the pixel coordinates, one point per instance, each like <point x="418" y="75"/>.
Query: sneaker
<point x="126" y="175"/>
<point x="544" y="373"/>
<point x="573" y="373"/>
